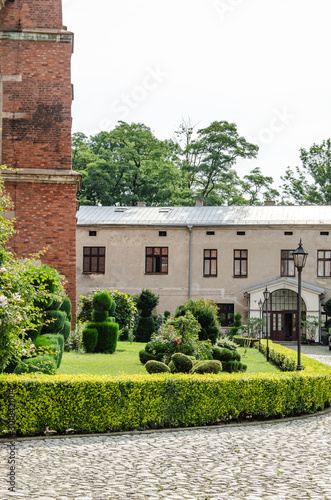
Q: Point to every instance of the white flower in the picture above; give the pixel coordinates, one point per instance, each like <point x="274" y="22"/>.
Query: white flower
<point x="3" y="300"/>
<point x="32" y="346"/>
<point x="16" y="296"/>
<point x="3" y="270"/>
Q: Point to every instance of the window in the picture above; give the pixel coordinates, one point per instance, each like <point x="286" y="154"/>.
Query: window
<point x="324" y="263"/>
<point x="162" y="233"/>
<point x="92" y="233"/>
<point x="241" y="233"/>
<point x="94" y="260"/>
<point x="156" y="260"/>
<point x="324" y="233"/>
<point x="240" y="263"/>
<point x="287" y="263"/>
<point x="225" y="314"/>
<point x="210" y="262"/>
<point x="288" y="233"/>
<point x="210" y="233"/>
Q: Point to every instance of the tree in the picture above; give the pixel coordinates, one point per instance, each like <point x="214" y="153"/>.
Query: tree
<point x="256" y="188"/>
<point x="209" y="158"/>
<point x="310" y="184"/>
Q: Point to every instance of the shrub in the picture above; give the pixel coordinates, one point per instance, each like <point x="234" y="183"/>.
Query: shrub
<point x="237" y="325"/>
<point x="205" y="312"/>
<point x="107" y="336"/>
<point x="233" y="366"/>
<point x="207" y="366"/>
<point x="90" y="339"/>
<point x="99" y="316"/>
<point x="222" y="354"/>
<point x="66" y="307"/>
<point x="58" y="346"/>
<point x="146" y="302"/>
<point x="145" y="356"/>
<point x="65" y="332"/>
<point x="75" y="340"/>
<point x="145" y="329"/>
<point x="101" y="301"/>
<point x="156" y="367"/>
<point x="54" y="321"/>
<point x="182" y="362"/>
<point x="227" y="343"/>
<point x="244" y="341"/>
<point x="38" y="364"/>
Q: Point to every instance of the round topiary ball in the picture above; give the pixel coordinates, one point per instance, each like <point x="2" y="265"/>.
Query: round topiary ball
<point x="101" y="301"/>
<point x="182" y="362"/>
<point x="207" y="366"/>
<point x="156" y="367"/>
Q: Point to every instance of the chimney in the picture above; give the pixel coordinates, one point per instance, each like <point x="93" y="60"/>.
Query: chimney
<point x="199" y="202"/>
<point x="141" y="203"/>
<point x="269" y="203"/>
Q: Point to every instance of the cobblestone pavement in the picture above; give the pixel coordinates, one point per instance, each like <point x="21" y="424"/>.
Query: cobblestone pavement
<point x="282" y="460"/>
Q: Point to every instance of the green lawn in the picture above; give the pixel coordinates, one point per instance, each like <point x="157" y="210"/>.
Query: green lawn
<point x="126" y="360"/>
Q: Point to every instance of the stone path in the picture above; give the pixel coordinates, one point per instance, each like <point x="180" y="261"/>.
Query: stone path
<point x="283" y="460"/>
<point x="280" y="461"/>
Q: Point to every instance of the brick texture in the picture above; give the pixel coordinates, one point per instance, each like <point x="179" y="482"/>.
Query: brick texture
<point x="40" y="137"/>
<point x="32" y="14"/>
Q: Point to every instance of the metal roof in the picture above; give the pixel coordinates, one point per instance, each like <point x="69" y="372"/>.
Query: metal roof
<point x="204" y="216"/>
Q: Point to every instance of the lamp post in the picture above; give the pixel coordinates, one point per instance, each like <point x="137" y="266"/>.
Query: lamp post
<point x="266" y="295"/>
<point x="300" y="257"/>
<point x="260" y="304"/>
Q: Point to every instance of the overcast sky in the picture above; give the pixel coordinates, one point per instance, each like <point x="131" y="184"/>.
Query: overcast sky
<point x="262" y="64"/>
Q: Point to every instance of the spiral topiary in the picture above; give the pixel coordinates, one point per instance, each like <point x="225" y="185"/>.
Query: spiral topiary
<point x="105" y="326"/>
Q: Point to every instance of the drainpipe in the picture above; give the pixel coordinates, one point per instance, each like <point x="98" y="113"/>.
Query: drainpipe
<point x="190" y="227"/>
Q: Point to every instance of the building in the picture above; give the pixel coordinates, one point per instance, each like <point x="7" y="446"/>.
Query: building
<point x="35" y="131"/>
<point x="227" y="254"/>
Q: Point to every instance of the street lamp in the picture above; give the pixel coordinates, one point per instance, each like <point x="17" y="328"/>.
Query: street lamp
<point x="300" y="257"/>
<point x="260" y="304"/>
<point x="266" y="295"/>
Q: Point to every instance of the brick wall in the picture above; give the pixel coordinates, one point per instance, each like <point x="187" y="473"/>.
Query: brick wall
<point x="32" y="14"/>
<point x="36" y="132"/>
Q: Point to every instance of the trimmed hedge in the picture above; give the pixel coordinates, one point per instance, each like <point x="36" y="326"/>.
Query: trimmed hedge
<point x="244" y="341"/>
<point x="109" y="404"/>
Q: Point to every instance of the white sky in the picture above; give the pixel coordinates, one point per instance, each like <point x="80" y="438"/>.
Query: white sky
<point x="262" y="64"/>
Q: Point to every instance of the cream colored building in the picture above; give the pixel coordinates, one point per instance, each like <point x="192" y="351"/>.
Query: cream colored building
<point x="227" y="254"/>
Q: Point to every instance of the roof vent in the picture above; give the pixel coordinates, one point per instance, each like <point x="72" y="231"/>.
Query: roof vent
<point x="199" y="202"/>
<point x="269" y="203"/>
<point x="164" y="210"/>
<point x="141" y="203"/>
<point x="120" y="209"/>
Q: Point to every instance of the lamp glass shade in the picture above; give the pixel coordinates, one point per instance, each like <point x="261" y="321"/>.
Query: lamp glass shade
<point x="300" y="257"/>
<point x="266" y="294"/>
<point x="260" y="303"/>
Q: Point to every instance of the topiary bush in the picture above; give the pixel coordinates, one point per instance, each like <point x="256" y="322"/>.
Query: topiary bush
<point x="233" y="366"/>
<point x="207" y="366"/>
<point x="182" y="363"/>
<point x="227" y="343"/>
<point x="90" y="339"/>
<point x="107" y="330"/>
<point x="237" y="325"/>
<point x="156" y="367"/>
<point x="145" y="329"/>
<point x="145" y="356"/>
<point x="147" y="324"/>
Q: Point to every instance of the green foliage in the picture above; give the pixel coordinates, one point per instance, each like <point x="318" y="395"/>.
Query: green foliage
<point x="66" y="307"/>
<point x="233" y="366"/>
<point x="205" y="312"/>
<point x="145" y="329"/>
<point x="110" y="404"/>
<point x="126" y="310"/>
<point x="54" y="321"/>
<point x="156" y="367"/>
<point x="65" y="332"/>
<point x="90" y="339"/>
<point x="58" y="346"/>
<point x="99" y="316"/>
<point x="107" y="336"/>
<point x="183" y="363"/>
<point x="284" y="358"/>
<point x="75" y="340"/>
<point x="244" y="341"/>
<point x="226" y="343"/>
<point x="145" y="356"/>
<point x="38" y="364"/>
<point x="207" y="366"/>
<point x="146" y="301"/>
<point x="101" y="301"/>
<point x="327" y="307"/>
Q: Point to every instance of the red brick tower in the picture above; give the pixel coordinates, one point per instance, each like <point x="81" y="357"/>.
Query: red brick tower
<point x="35" y="131"/>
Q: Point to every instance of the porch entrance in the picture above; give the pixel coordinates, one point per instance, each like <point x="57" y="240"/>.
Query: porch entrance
<point x="283" y="314"/>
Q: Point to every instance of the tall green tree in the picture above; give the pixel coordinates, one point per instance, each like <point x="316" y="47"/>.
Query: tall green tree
<point x="310" y="184"/>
